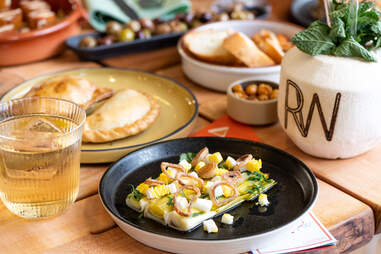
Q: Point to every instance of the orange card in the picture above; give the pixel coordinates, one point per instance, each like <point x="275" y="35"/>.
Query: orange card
<point x="227" y="127"/>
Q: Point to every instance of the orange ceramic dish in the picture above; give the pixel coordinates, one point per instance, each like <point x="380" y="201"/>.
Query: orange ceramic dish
<point x="20" y="48"/>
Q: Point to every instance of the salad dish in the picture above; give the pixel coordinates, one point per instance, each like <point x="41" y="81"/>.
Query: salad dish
<point x="199" y="187"/>
<point x="234" y="227"/>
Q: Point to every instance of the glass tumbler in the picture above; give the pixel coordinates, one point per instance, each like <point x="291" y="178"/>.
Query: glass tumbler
<point x="40" y="144"/>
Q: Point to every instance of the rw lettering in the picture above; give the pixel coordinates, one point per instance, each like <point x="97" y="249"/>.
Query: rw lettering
<point x="297" y="113"/>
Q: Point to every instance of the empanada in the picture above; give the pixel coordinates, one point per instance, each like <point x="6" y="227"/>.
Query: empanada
<point x="75" y="89"/>
<point x="127" y="113"/>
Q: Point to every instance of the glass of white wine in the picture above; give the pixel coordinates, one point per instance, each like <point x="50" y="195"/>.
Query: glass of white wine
<point x="40" y="145"/>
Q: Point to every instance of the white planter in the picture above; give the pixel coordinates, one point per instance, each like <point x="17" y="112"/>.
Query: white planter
<point x="349" y="93"/>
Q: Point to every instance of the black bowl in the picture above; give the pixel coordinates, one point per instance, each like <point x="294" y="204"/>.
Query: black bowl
<point x="293" y="196"/>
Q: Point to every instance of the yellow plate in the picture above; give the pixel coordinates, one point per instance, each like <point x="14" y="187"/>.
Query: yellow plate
<point x="179" y="108"/>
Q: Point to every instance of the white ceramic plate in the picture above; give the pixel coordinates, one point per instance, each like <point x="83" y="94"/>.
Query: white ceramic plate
<point x="219" y="77"/>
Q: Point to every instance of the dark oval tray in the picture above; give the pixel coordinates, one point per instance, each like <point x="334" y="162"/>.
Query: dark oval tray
<point x="293" y="195"/>
<point x="139" y="45"/>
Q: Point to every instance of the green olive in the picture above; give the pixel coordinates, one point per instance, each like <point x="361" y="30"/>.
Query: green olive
<point x="88" y="42"/>
<point x="113" y="28"/>
<point x="126" y="35"/>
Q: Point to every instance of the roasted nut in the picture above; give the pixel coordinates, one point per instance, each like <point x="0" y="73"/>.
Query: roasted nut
<point x="163" y="28"/>
<point x="274" y="94"/>
<point x="107" y="40"/>
<point x="238" y="15"/>
<point x="263" y="97"/>
<point x="251" y="89"/>
<point x="253" y="98"/>
<point x="264" y="89"/>
<point x="126" y="35"/>
<point x="88" y="42"/>
<point x="237" y="88"/>
<point x="147" y="24"/>
<point x="134" y="25"/>
<point x="113" y="28"/>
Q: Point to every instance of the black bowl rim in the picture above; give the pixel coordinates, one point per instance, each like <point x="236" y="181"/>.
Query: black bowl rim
<point x="189" y="139"/>
<point x="195" y="114"/>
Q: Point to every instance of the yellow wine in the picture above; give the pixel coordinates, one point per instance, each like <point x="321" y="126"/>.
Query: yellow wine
<point x="39" y="165"/>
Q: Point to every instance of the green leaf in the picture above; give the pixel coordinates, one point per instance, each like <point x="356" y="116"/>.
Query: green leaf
<point x="170" y="201"/>
<point x="376" y="28"/>
<point x="135" y="193"/>
<point x="338" y="29"/>
<point x="187" y="156"/>
<point x="315" y="39"/>
<point x="365" y="6"/>
<point x="255" y="176"/>
<point x="352" y="48"/>
<point x="141" y="215"/>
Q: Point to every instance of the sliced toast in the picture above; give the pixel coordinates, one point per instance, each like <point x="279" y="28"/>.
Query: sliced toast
<point x="243" y="48"/>
<point x="206" y="45"/>
<point x="268" y="42"/>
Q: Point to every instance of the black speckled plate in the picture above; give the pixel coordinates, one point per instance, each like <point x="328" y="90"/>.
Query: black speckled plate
<point x="293" y="196"/>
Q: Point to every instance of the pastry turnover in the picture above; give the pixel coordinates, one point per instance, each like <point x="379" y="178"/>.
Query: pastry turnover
<point x="75" y="89"/>
<point x="127" y="113"/>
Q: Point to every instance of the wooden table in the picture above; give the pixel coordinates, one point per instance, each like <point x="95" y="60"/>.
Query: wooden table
<point x="349" y="201"/>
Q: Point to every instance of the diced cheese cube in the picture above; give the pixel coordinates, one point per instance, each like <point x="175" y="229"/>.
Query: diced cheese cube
<point x="182" y="202"/>
<point x="227" y="219"/>
<point x="230" y="162"/>
<point x="262" y="200"/>
<point x="186" y="165"/>
<point x="210" y="226"/>
<point x="199" y="165"/>
<point x="218" y="191"/>
<point x="194" y="174"/>
<point x="254" y="165"/>
<point x="203" y="204"/>
<point x="142" y="188"/>
<point x="172" y="188"/>
<point x="150" y="193"/>
<point x="216" y="157"/>
<point x="221" y="171"/>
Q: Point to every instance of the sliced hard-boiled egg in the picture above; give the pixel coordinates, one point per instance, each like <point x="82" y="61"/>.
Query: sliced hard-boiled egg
<point x="216" y="157"/>
<point x="199" y="165"/>
<point x="230" y="162"/>
<point x="182" y="202"/>
<point x="172" y="188"/>
<point x="186" y="165"/>
<point x="262" y="200"/>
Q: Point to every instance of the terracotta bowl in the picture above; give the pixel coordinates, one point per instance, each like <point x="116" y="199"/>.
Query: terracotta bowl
<point x="21" y="48"/>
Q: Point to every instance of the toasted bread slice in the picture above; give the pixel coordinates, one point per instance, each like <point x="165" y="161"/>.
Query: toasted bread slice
<point x="206" y="45"/>
<point x="284" y="42"/>
<point x="246" y="51"/>
<point x="268" y="42"/>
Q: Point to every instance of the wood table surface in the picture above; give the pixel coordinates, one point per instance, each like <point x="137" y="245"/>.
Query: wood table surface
<point x="349" y="200"/>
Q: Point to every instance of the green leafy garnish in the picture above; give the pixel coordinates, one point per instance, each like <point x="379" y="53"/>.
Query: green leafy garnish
<point x="338" y="40"/>
<point x="135" y="193"/>
<point x="223" y="165"/>
<point x="256" y="176"/>
<point x="187" y="156"/>
<point x="170" y="201"/>
<point x="220" y="197"/>
<point x="196" y="214"/>
<point x="141" y="215"/>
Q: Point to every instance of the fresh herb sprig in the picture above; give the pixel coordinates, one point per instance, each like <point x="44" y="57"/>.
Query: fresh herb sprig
<point x="337" y="40"/>
<point x="135" y="193"/>
<point x="187" y="156"/>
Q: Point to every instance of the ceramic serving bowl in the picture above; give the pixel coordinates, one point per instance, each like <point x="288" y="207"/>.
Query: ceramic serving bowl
<point x="248" y="111"/>
<point x="219" y="77"/>
<point x="21" y="48"/>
